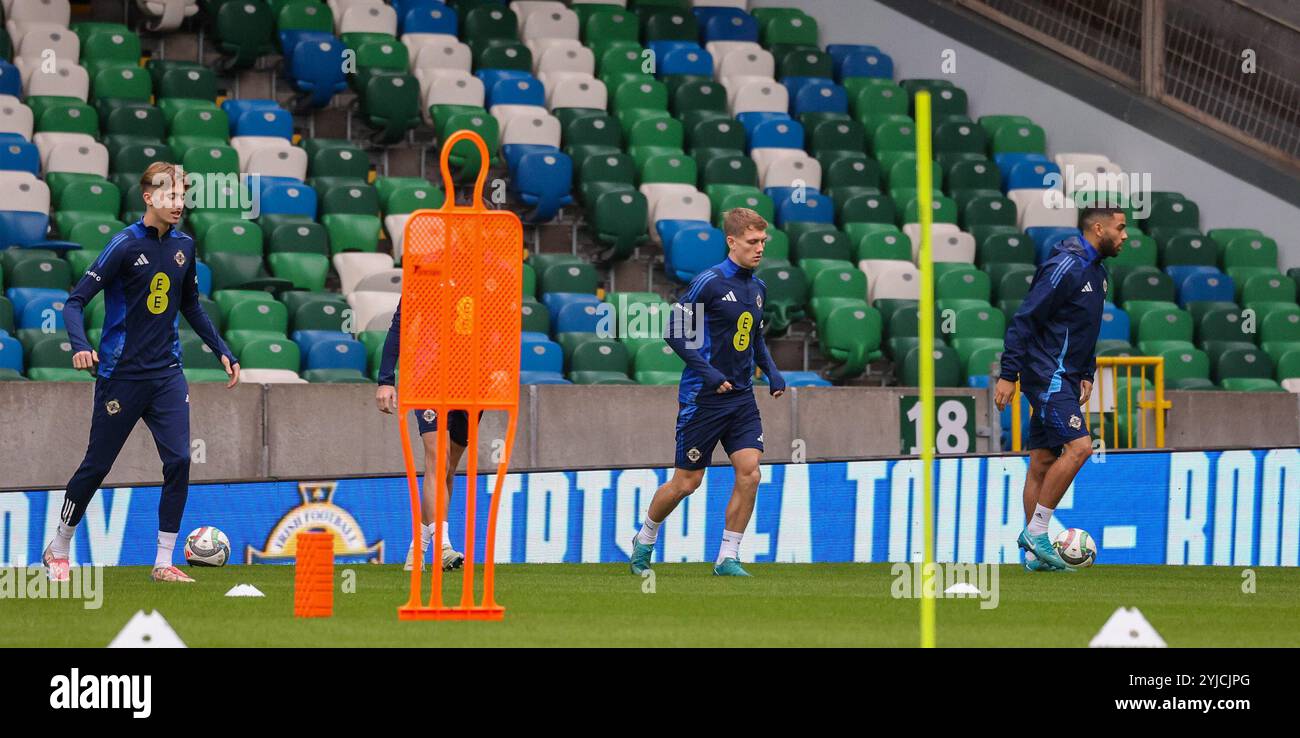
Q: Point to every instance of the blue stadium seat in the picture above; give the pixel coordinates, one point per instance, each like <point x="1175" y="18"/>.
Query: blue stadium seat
<point x="726" y="24"/>
<point x="258" y="118"/>
<point x="681" y="57"/>
<point x="775" y="133"/>
<point x="1006" y="162"/>
<point x="489" y="77"/>
<point x="980" y="381"/>
<point x="289" y="39"/>
<point x="692" y="250"/>
<point x="555" y="302"/>
<point x="840" y="52"/>
<point x="521" y="89"/>
<point x="425" y="16"/>
<point x="204" y="274"/>
<point x="1114" y="323"/>
<point x="865" y="64"/>
<point x="11" y="353"/>
<point x="819" y="96"/>
<point x="543" y="180"/>
<point x="307" y="340"/>
<point x="336" y="353"/>
<point x="1033" y="175"/>
<point x="1208" y="285"/>
<point x="287" y="196"/>
<point x="579" y="317"/>
<point x="1046" y="237"/>
<point x="668" y="228"/>
<point x="10" y="82"/>
<point x="20" y="156"/>
<point x="22" y="227"/>
<point x="753" y="119"/>
<point x="540" y="354"/>
<point x="814" y="208"/>
<point x="315" y="66"/>
<point x="530" y="377"/>
<point x="804" y="379"/>
<point x="36" y="309"/>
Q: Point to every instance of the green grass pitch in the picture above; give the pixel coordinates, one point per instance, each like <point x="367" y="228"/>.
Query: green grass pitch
<point x="604" y="605"/>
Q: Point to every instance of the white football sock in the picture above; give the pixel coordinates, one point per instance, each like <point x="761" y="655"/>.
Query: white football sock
<point x="62" y="542"/>
<point x="1038" y="523"/>
<point x="166" y="545"/>
<point x="446" y="534"/>
<point x="730" y="548"/>
<point x="649" y="532"/>
<point x="426" y="533"/>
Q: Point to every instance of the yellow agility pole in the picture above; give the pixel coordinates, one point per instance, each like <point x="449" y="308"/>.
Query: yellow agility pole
<point x="925" y="261"/>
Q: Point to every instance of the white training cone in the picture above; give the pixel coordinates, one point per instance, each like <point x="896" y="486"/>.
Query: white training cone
<point x="147" y="631"/>
<point x="244" y="590"/>
<point x="1127" y="628"/>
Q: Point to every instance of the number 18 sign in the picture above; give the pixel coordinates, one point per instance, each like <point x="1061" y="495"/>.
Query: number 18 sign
<point x="954" y="424"/>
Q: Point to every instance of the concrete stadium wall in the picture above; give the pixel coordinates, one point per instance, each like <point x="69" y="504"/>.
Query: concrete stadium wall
<point x="308" y="431"/>
<point x="1072" y="125"/>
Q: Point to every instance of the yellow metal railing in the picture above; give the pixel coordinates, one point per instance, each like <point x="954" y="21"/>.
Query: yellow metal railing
<point x="1106" y="398"/>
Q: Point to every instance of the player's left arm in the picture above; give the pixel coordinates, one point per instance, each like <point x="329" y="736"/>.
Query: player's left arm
<point x="202" y="325"/>
<point x="763" y="357"/>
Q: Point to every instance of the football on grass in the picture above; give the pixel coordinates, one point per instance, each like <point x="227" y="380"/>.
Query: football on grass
<point x="207" y="546"/>
<point x="1076" y="547"/>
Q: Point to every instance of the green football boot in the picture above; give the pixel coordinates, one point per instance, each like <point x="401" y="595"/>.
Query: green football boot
<point x="729" y="568"/>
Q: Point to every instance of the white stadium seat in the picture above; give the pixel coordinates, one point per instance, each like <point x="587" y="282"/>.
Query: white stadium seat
<point x="940" y="234"/>
<point x="1291" y="385"/>
<point x="550" y="55"/>
<point x="389" y="280"/>
<point x="674" y="202"/>
<point x="554" y="22"/>
<point x="737" y="4"/>
<point x="46" y="141"/>
<point x="741" y="59"/>
<point x="366" y="306"/>
<point x="506" y="113"/>
<point x="353" y="266"/>
<point x="15" y="117"/>
<point x="24" y="15"/>
<point x="269" y="376"/>
<point x="368" y="19"/>
<point x="67" y="80"/>
<point x="83" y="158"/>
<point x="23" y="191"/>
<point x="43" y="37"/>
<point x="437" y="51"/>
<point x="167" y="15"/>
<point x="756" y="95"/>
<point x="524" y="9"/>
<point x="789" y="170"/>
<point x="395" y="227"/>
<point x="542" y="129"/>
<point x="1054" y="210"/>
<point x="891" y="279"/>
<point x="574" y="90"/>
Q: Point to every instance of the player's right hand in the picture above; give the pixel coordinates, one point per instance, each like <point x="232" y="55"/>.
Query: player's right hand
<point x="85" y="360"/>
<point x="1003" y="392"/>
<point x="386" y="398"/>
<point x="724" y="387"/>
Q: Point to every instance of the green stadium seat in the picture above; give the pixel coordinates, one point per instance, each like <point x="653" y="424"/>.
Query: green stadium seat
<point x="1251" y="384"/>
<point x="850" y="336"/>
<point x="269" y="353"/>
<point x="657" y="363"/>
<point x="947" y="367"/>
<point x="787" y="293"/>
<point x="1250" y="251"/>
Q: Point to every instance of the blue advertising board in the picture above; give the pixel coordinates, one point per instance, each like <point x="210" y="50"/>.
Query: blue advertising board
<point x="1239" y="508"/>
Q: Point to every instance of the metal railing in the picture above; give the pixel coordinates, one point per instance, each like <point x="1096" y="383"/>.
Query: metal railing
<point x="1227" y="64"/>
<point x="1136" y="402"/>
